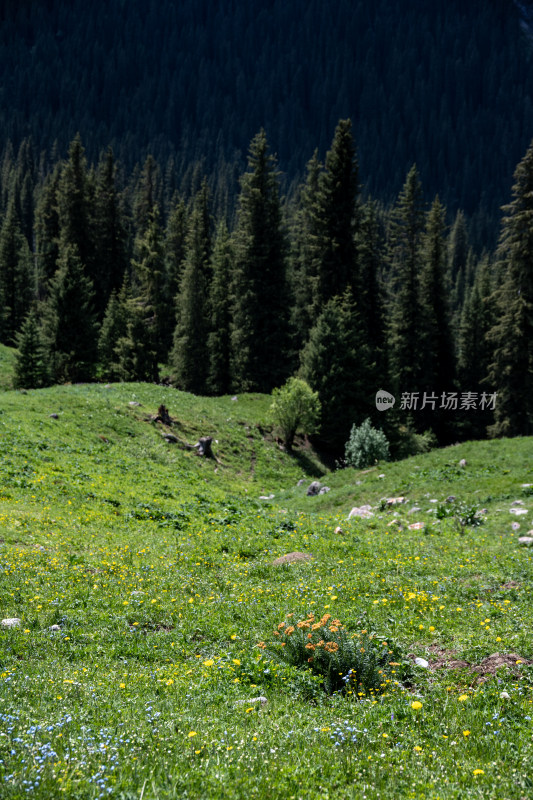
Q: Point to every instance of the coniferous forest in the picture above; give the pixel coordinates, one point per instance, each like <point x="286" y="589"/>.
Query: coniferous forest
<point x="220" y="197"/>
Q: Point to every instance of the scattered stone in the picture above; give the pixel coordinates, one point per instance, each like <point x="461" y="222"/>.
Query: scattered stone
<point x="291" y="558"/>
<point x="169" y="437"/>
<point x="324" y="490"/>
<point x="358" y="483"/>
<point x="261" y="699"/>
<point x="395" y="501"/>
<point x="107" y="386"/>
<point x="137" y="593"/>
<point x="301" y="482"/>
<point x="450" y="498"/>
<point x="416" y="526"/>
<point x="517" y="503"/>
<point x="313" y="488"/>
<point x="134" y="403"/>
<point x="54" y="628"/>
<point x="518" y="511"/>
<point x="266" y="496"/>
<point x="11" y="622"/>
<point x="382" y="475"/>
<point x="505" y="696"/>
<point x="421" y="662"/>
<point x="515" y="526"/>
<point x="234" y="398"/>
<point x="526" y="485"/>
<point x="462" y="462"/>
<point x="525" y="541"/>
<point x="54" y="416"/>
<point x="361" y="511"/>
<point x="414" y="509"/>
<point x="484" y="511"/>
<point x="339" y="530"/>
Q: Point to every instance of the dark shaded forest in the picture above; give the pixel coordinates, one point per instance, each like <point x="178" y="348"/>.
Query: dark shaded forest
<point x="446" y="84"/>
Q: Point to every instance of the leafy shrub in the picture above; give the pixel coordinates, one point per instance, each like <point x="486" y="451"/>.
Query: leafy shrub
<point x="366" y="446"/>
<point x="360" y="663"/>
<point x="295" y="407"/>
<point x="465" y="515"/>
<point x="410" y="443"/>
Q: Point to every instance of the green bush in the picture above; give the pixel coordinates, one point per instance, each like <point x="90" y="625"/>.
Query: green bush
<point x="360" y="663"/>
<point x="366" y="446"/>
<point x="295" y="407"/>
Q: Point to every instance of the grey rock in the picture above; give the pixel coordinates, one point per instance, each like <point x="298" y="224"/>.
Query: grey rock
<point x="11" y="622"/>
<point x="134" y="403"/>
<point x="324" y="490"/>
<point x="54" y="628"/>
<point x="54" y="416"/>
<point x="301" y="482"/>
<point x="462" y="462"/>
<point x="518" y="511"/>
<point x="526" y="541"/>
<point x="414" y="509"/>
<point x="517" y="503"/>
<point x="234" y="398"/>
<point x="169" y="437"/>
<point x="361" y="511"/>
<point x="313" y="488"/>
<point x="450" y="498"/>
<point x="266" y="496"/>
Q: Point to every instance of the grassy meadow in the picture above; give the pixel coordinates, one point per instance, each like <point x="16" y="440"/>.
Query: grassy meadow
<point x="147" y="662"/>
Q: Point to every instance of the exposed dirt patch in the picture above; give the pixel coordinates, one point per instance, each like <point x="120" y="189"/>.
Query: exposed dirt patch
<point x="511" y="585"/>
<point x="489" y="666"/>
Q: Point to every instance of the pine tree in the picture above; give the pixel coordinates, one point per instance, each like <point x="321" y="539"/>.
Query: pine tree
<point x="114" y="327"/>
<point x="190" y="355"/>
<point x="405" y="254"/>
<point x="31" y="365"/>
<point x="70" y="325"/>
<point x="511" y="368"/>
<point x="175" y="237"/>
<point x="220" y="307"/>
<point x="73" y="202"/>
<point x="148" y="269"/>
<point x="337" y="216"/>
<point x="17" y="285"/>
<point x="474" y="351"/>
<point x="334" y="362"/>
<point x="436" y="344"/>
<point x="148" y="194"/>
<point x="305" y="257"/>
<point x="260" y="335"/>
<point x="110" y="240"/>
<point x="370" y="244"/>
<point x="47" y="231"/>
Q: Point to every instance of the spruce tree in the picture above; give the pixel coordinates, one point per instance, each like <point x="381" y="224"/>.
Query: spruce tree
<point x="334" y="362"/>
<point x="260" y="335"/>
<point x="474" y="351"/>
<point x="110" y="240"/>
<point x="31" y="365"/>
<point x="47" y="231"/>
<point x="305" y="256"/>
<point x="148" y="268"/>
<point x="17" y="284"/>
<point x="220" y="308"/>
<point x="437" y="367"/>
<point x="69" y="320"/>
<point x="73" y="202"/>
<point x="175" y="237"/>
<point x="190" y="355"/>
<point x="405" y="256"/>
<point x="511" y="368"/>
<point x="336" y="217"/>
<point x="114" y="327"/>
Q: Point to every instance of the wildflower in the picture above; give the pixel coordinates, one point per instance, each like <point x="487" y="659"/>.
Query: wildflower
<point x="122" y="685"/>
<point x="416" y="704"/>
<point x="209" y="662"/>
<point x="302" y="625"/>
<point x="462" y="698"/>
<point x="316" y="626"/>
<point x="479" y="772"/>
<point x="191" y="734"/>
<point x="466" y="733"/>
<point x="290" y="630"/>
<point x="417" y="748"/>
<point x="281" y="625"/>
<point x="309" y="647"/>
<point x="331" y="647"/>
<point x="236" y="661"/>
<point x="262" y="645"/>
<point x="333" y="628"/>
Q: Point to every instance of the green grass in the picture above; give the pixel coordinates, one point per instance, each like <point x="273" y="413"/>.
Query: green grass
<point x="157" y="567"/>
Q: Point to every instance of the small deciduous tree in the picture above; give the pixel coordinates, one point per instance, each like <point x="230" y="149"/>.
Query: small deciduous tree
<point x="295" y="407"/>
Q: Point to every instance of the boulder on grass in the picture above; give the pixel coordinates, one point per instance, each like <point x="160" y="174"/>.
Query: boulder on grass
<point x="291" y="558"/>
